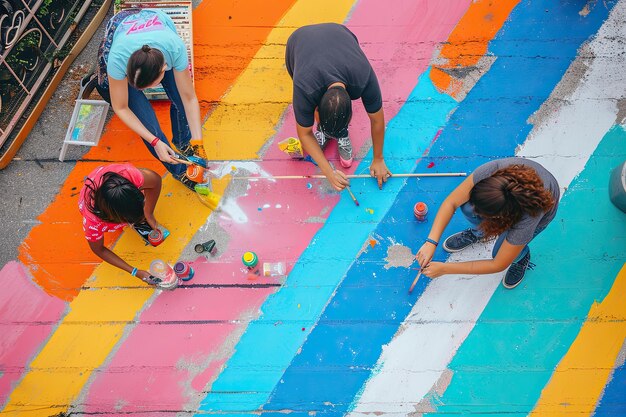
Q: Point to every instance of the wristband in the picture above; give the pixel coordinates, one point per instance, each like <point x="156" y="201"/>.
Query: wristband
<point x="134" y="272"/>
<point x="434" y="242"/>
<point x="154" y="142"/>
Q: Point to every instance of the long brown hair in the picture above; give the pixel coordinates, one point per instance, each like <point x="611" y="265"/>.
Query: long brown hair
<point x="504" y="197"/>
<point x="144" y="67"/>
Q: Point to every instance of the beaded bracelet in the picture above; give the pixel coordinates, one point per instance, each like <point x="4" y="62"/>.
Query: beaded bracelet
<point x="434" y="242"/>
<point x="154" y="142"/>
<point x="134" y="272"/>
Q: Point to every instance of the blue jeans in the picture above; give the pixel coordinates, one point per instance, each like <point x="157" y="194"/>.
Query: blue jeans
<point x="468" y="211"/>
<point x="141" y="107"/>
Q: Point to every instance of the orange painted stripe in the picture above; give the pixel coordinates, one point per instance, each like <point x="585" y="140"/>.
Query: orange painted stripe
<point x="227" y="35"/>
<point x="469" y="40"/>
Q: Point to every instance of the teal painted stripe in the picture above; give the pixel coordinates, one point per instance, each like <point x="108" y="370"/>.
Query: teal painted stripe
<point x="267" y="347"/>
<point x="504" y="367"/>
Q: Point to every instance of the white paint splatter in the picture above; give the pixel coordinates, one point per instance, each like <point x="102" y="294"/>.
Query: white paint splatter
<point x="266" y="206"/>
<point x="230" y="210"/>
<point x="278" y="206"/>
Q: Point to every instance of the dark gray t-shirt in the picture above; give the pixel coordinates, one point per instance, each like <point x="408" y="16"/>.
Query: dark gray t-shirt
<point x="522" y="232"/>
<point x="320" y="55"/>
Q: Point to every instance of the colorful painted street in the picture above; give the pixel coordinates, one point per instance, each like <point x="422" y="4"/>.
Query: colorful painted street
<point x="339" y="334"/>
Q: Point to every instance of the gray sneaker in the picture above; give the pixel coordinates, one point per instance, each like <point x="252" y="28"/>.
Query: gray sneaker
<point x="459" y="241"/>
<point x="345" y="151"/>
<point x="322" y="140"/>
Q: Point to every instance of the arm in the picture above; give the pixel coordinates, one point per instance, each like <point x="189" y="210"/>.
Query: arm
<point x="337" y="179"/>
<point x="505" y="257"/>
<point x="378" y="168"/>
<point x="110" y="257"/>
<point x="458" y="197"/>
<point x="151" y="189"/>
<point x="190" y="102"/>
<point x="119" y="102"/>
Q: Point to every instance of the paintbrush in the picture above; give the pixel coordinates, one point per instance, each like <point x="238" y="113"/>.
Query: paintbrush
<point x="415" y="281"/>
<point x="352" y="195"/>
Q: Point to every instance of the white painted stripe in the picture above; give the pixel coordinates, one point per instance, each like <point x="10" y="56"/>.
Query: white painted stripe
<point x="569" y="127"/>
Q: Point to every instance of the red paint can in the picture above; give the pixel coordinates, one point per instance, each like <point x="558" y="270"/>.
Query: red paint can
<point x="420" y="210"/>
<point x="155" y="237"/>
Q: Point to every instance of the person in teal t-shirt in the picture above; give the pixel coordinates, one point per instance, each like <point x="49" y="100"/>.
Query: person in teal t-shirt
<point x="140" y="50"/>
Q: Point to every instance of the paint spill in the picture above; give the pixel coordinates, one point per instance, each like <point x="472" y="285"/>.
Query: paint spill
<point x="369" y="210"/>
<point x="266" y="206"/>
<point x="260" y="209"/>
<point x="298" y="305"/>
<point x="430" y="165"/>
<point x="309" y="185"/>
<point x="278" y="206"/>
<point x="372" y="242"/>
<point x="399" y="256"/>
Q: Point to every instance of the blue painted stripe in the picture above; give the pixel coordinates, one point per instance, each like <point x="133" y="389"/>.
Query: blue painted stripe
<point x="365" y="312"/>
<point x="613" y="401"/>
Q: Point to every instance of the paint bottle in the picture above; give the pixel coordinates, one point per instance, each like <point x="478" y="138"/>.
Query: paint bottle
<point x="274" y="269"/>
<point x="195" y="173"/>
<point x="206" y="247"/>
<point x="183" y="270"/>
<point x="155" y="237"/>
<point x="420" y="210"/>
<point x="250" y="260"/>
<point x="165" y="273"/>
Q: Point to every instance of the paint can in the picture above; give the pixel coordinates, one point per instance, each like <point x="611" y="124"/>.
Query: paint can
<point x="195" y="173"/>
<point x="155" y="237"/>
<point x="206" y="247"/>
<point x="165" y="273"/>
<point x="183" y="270"/>
<point x="420" y="210"/>
<point x="250" y="260"/>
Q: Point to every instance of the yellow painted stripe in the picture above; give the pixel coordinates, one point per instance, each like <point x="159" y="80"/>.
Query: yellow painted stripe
<point x="249" y="113"/>
<point x="582" y="374"/>
<point x="97" y="317"/>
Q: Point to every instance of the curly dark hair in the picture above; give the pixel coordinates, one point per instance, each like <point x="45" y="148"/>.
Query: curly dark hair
<point x="504" y="197"/>
<point x="115" y="199"/>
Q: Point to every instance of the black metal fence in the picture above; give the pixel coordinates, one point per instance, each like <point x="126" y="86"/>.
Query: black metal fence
<point x="33" y="41"/>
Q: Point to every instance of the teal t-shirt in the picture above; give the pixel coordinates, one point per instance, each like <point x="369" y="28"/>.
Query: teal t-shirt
<point x="148" y="27"/>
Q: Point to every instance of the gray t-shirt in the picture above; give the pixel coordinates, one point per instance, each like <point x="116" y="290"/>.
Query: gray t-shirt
<point x="320" y="55"/>
<point x="522" y="232"/>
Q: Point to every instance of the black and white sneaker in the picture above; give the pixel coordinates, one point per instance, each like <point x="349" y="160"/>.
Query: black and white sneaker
<point x="459" y="241"/>
<point x="516" y="272"/>
<point x="321" y="138"/>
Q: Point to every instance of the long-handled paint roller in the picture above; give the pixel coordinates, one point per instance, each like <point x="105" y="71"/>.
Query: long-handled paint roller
<point x="295" y="177"/>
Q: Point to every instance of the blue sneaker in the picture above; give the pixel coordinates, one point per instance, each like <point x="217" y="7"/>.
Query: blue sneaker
<point x="459" y="241"/>
<point x="516" y="272"/>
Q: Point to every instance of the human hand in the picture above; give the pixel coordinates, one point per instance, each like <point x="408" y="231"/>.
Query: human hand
<point x="379" y="170"/>
<point x="152" y="221"/>
<point x="338" y="180"/>
<point x="425" y="254"/>
<point x="434" y="269"/>
<point x="143" y="275"/>
<point x="165" y="153"/>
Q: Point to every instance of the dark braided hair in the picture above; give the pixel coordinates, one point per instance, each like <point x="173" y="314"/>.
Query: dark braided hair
<point x="144" y="67"/>
<point x="335" y="111"/>
<point x="504" y="197"/>
<point x="115" y="199"/>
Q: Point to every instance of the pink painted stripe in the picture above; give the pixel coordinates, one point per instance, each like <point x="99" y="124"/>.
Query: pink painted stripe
<point x="27" y="318"/>
<point x="179" y="344"/>
<point x="191" y="355"/>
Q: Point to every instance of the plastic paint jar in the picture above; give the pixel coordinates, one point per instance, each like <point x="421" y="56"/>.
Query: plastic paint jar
<point x="155" y="237"/>
<point x="183" y="270"/>
<point x="420" y="210"/>
<point x="250" y="260"/>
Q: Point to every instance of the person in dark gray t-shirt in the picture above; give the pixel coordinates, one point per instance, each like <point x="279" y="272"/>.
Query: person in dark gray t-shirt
<point x="329" y="70"/>
<point x="514" y="199"/>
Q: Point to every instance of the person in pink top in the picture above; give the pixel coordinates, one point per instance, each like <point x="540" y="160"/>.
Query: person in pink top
<point x="115" y="195"/>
